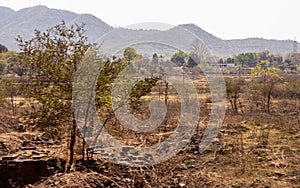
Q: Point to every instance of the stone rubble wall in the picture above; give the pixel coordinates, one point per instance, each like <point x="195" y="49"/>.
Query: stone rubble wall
<point x="19" y="173"/>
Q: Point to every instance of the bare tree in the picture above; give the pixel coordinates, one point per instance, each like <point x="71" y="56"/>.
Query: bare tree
<point x="200" y="49"/>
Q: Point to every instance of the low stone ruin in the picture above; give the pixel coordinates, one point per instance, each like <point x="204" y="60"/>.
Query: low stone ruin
<point x="19" y="173"/>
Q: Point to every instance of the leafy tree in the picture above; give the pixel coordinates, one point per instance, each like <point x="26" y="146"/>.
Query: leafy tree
<point x="269" y="76"/>
<point x="179" y="58"/>
<point x="155" y="58"/>
<point x="52" y="58"/>
<point x="106" y="78"/>
<point x="245" y="59"/>
<point x="263" y="55"/>
<point x="130" y="55"/>
<point x="110" y="69"/>
<point x="8" y="60"/>
<point x="221" y="61"/>
<point x="2" y="48"/>
<point x="108" y="74"/>
<point x="230" y="60"/>
<point x="142" y="88"/>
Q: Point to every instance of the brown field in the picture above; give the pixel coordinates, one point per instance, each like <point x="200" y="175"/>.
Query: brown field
<point x="254" y="148"/>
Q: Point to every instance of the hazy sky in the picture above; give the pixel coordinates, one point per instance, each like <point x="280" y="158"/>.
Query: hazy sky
<point x="227" y="19"/>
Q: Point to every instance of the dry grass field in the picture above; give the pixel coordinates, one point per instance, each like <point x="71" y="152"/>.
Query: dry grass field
<point x="254" y="148"/>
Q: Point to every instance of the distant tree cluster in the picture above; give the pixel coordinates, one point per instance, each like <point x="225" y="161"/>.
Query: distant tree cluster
<point x="251" y="59"/>
<point x="11" y="62"/>
<point x="3" y="48"/>
<point x="246" y="59"/>
<point x="199" y="53"/>
<point x="180" y="58"/>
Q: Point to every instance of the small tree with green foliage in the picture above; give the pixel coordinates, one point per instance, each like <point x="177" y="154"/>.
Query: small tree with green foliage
<point x="130" y="55"/>
<point x="52" y="58"/>
<point x="267" y="75"/>
<point x="180" y="58"/>
<point x="245" y="59"/>
<point x="155" y="58"/>
<point x="3" y="48"/>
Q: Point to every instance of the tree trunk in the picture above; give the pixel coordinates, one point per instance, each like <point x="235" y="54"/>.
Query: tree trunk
<point x="12" y="104"/>
<point x="241" y="106"/>
<point x="268" y="102"/>
<point x="235" y="103"/>
<point x="231" y="102"/>
<point x="12" y="98"/>
<point x="166" y="93"/>
<point x="166" y="98"/>
<point x="72" y="143"/>
<point x="83" y="148"/>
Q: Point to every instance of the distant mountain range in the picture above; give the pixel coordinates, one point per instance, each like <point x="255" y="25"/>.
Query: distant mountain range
<point x="25" y="21"/>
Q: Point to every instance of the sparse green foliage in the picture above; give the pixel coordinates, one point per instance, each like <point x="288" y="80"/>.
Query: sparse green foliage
<point x="142" y="88"/>
<point x="3" y="48"/>
<point x="130" y="55"/>
<point x="52" y="58"/>
<point x="107" y="76"/>
<point x="269" y="76"/>
<point x="180" y="58"/>
<point x="230" y="60"/>
<point x="245" y="59"/>
<point x="155" y="58"/>
<point x="9" y="62"/>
